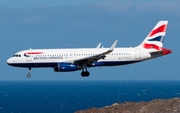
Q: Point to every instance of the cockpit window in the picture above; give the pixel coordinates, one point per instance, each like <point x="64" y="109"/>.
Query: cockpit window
<point x="17" y="55"/>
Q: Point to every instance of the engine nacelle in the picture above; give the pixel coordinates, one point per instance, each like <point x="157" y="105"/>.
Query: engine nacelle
<point x="64" y="67"/>
<point x="97" y="64"/>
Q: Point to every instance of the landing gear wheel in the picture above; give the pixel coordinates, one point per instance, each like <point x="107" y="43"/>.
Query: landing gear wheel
<point x="82" y="74"/>
<point x="28" y="75"/>
<point x="85" y="74"/>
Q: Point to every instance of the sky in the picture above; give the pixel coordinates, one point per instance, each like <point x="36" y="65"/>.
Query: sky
<point x="46" y="24"/>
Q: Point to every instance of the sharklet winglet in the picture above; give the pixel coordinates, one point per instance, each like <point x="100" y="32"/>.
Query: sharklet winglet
<point x="113" y="46"/>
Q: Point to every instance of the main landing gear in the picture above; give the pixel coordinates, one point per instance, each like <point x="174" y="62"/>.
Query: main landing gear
<point x="29" y="75"/>
<point x="86" y="73"/>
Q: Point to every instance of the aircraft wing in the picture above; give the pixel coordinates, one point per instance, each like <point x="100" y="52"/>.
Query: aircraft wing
<point x="91" y="59"/>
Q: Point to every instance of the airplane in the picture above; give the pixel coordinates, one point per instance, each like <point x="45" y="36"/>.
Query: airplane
<point x="67" y="60"/>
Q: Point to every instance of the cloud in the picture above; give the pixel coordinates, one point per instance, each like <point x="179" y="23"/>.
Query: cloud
<point x="140" y="7"/>
<point x="94" y="15"/>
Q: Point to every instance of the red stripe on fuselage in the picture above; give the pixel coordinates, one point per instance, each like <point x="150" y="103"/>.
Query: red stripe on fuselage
<point x="34" y="53"/>
<point x="152" y="46"/>
<point x="159" y="29"/>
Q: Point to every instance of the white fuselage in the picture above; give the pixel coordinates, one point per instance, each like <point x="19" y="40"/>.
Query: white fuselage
<point x="50" y="57"/>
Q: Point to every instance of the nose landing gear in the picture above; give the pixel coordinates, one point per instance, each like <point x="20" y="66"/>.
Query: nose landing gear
<point x="29" y="75"/>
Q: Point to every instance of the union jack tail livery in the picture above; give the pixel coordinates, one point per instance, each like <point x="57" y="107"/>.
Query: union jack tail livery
<point x="155" y="38"/>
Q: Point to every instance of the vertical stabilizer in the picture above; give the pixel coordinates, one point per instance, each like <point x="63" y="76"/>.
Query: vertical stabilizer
<point x="155" y="38"/>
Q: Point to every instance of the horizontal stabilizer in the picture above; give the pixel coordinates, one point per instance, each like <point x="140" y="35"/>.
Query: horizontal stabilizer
<point x="160" y="53"/>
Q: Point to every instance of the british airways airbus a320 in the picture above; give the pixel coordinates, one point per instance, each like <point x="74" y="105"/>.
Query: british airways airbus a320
<point x="66" y="60"/>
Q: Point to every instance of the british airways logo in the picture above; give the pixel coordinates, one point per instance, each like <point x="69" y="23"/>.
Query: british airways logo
<point x="44" y="57"/>
<point x="47" y="57"/>
<point x="31" y="53"/>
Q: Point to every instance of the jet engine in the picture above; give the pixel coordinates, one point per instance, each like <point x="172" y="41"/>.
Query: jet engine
<point x="64" y="67"/>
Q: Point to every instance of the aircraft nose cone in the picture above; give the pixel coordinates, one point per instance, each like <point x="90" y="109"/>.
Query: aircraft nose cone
<point x="12" y="62"/>
<point x="9" y="61"/>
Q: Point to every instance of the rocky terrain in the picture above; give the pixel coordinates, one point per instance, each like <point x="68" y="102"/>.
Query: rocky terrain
<point x="154" y="106"/>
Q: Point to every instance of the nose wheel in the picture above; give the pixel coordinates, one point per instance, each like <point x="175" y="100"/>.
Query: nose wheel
<point x="29" y="75"/>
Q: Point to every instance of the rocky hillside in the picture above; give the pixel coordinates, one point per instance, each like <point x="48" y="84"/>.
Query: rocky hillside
<point x="154" y="106"/>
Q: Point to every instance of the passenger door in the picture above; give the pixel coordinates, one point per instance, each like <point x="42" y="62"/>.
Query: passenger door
<point x="137" y="54"/>
<point x="29" y="56"/>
